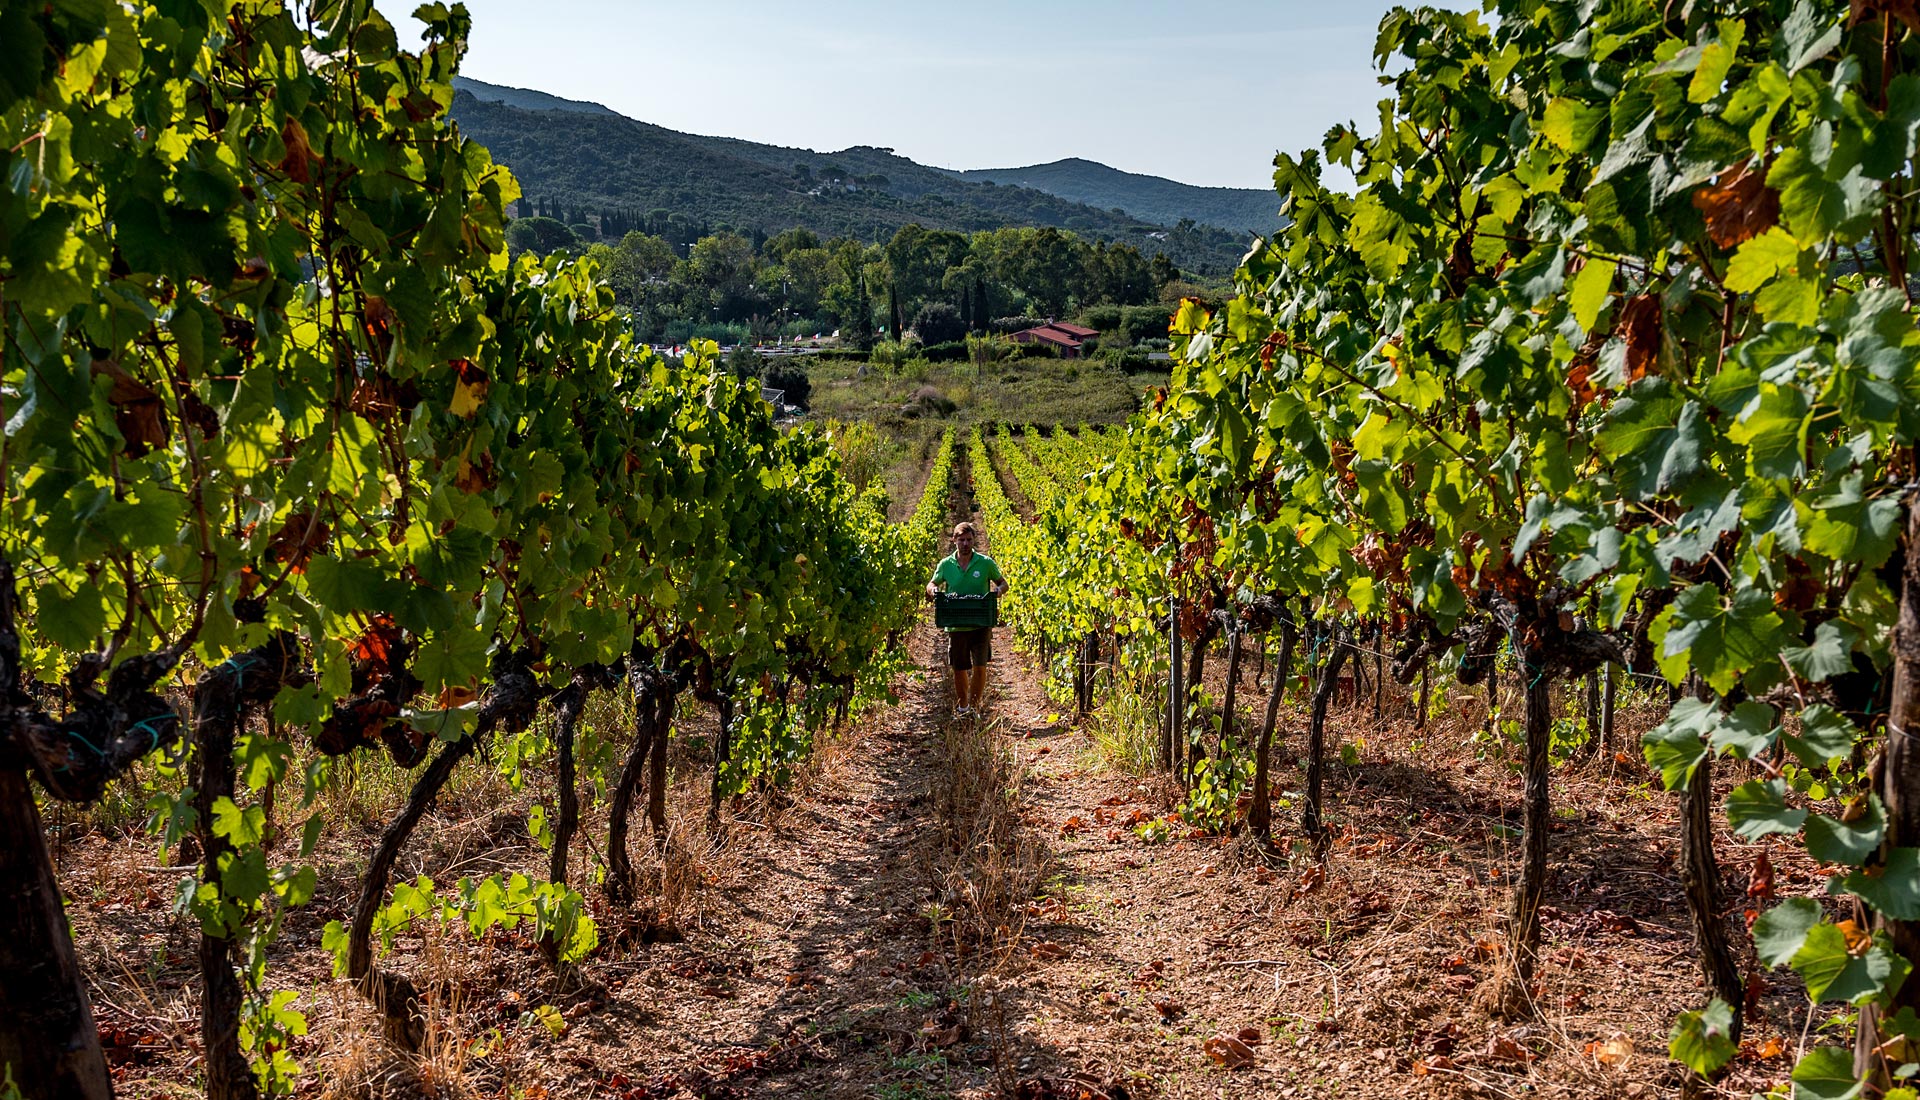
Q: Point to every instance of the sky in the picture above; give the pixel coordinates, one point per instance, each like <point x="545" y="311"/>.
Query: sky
<point x="1200" y="93"/>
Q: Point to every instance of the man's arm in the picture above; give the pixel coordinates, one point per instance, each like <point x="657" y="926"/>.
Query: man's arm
<point x="998" y="583"/>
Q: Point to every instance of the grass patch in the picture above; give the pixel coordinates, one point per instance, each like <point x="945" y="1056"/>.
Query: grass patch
<point x="1023" y="391"/>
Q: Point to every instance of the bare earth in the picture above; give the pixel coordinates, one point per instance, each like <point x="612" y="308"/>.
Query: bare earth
<point x="822" y="953"/>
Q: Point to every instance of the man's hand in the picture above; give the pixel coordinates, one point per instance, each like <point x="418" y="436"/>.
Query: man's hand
<point x="999" y="588"/>
<point x="932" y="592"/>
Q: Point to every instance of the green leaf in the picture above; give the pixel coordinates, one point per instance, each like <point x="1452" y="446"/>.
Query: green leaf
<point x="242" y="828"/>
<point x="1826" y="1073"/>
<point x="351" y="585"/>
<point x="1832" y="840"/>
<point x="75" y="621"/>
<point x="1832" y="973"/>
<point x="1790" y="301"/>
<point x="336" y="940"/>
<point x="1780" y="932"/>
<point x="1747" y="732"/>
<point x="1703" y="1040"/>
<point x="455" y="657"/>
<point x="1893" y="889"/>
<point x="1677" y="745"/>
<point x="1846" y="525"/>
<point x="1825" y="735"/>
<point x="1722" y="640"/>
<point x="1830" y="654"/>
<point x="1657" y="438"/>
<point x="1590" y="289"/>
<point x="1815" y="198"/>
<point x="1571" y="124"/>
<point x="1807" y="35"/>
<point x="1761" y="258"/>
<point x="1759" y="808"/>
<point x="244" y="876"/>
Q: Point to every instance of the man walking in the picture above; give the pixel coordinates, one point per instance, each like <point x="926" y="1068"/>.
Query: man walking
<point x="969" y="650"/>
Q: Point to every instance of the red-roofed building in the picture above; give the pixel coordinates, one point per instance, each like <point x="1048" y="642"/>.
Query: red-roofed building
<point x="1067" y="339"/>
<point x="1078" y="332"/>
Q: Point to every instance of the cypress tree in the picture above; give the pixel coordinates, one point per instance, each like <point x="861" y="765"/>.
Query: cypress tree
<point x="893" y="307"/>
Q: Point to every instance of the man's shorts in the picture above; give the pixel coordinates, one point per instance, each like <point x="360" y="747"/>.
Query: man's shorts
<point x="967" y="648"/>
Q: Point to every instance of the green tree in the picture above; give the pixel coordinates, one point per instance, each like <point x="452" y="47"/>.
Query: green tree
<point x="540" y="236"/>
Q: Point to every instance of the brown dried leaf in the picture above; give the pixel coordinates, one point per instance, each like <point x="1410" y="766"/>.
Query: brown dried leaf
<point x="137" y="410"/>
<point x="1906" y="11"/>
<point x="1228" y="1051"/>
<point x="1611" y="1052"/>
<point x="1738" y="205"/>
<point x="1640" y="328"/>
<point x="300" y="160"/>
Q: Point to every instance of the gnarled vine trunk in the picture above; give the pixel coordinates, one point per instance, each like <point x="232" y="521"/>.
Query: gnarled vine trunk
<point x="220" y="700"/>
<point x="48" y="1039"/>
<point x="1260" y="814"/>
<point x="1897" y="782"/>
<point x="47" y="1035"/>
<point x="508" y="704"/>
<point x="568" y="704"/>
<point x="1312" y="820"/>
<point x="1511" y="990"/>
<point x="1700" y="880"/>
<point x="654" y="693"/>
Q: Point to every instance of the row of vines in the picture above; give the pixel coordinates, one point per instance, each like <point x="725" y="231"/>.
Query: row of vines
<point x="299" y="467"/>
<point x="1609" y="361"/>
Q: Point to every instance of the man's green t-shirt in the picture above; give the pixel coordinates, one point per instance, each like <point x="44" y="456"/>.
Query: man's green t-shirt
<point x="975" y="580"/>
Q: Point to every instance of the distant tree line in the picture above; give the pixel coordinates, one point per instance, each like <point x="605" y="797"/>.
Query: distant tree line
<point x="933" y="284"/>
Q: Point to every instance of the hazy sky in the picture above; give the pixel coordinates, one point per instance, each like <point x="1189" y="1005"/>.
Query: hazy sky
<point x="1202" y="93"/>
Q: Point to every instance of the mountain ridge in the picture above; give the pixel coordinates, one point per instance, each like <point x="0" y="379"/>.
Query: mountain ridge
<point x="1153" y="198"/>
<point x="585" y="154"/>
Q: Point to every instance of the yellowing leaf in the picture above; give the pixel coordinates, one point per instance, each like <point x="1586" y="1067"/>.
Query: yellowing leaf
<point x="1761" y="259"/>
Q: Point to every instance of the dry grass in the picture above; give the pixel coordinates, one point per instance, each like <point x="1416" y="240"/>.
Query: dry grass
<point x="990" y="867"/>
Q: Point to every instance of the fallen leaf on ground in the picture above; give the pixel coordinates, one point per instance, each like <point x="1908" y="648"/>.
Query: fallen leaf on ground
<point x="1611" y="1052"/>
<point x="1229" y="1051"/>
<point x="1047" y="950"/>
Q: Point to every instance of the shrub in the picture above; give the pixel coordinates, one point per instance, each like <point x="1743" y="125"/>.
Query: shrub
<point x="954" y="351"/>
<point x="1104" y="318"/>
<point x="789" y="377"/>
<point x="939" y="323"/>
<point x="1128" y="359"/>
<point x="1004" y="325"/>
<point x="927" y="401"/>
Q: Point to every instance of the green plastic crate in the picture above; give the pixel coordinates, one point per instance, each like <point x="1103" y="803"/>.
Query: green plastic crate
<point x="966" y="612"/>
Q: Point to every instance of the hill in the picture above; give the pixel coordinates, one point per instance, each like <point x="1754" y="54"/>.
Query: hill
<point x="583" y="155"/>
<point x="1147" y="197"/>
<point x="526" y="98"/>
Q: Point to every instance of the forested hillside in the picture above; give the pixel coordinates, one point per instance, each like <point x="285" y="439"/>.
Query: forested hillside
<point x="603" y="163"/>
<point x="1150" y="197"/>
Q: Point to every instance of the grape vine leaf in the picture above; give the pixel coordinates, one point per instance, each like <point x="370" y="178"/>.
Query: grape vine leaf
<point x="1893" y="888"/>
<point x="1759" y="807"/>
<point x="1702" y="1039"/>
<point x="1826" y="1073"/>
<point x="1779" y="933"/>
<point x="1836" y="840"/>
